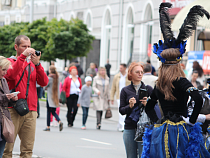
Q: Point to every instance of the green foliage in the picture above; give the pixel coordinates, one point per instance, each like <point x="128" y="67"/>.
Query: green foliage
<point x="55" y="39"/>
<point x="7" y="38"/>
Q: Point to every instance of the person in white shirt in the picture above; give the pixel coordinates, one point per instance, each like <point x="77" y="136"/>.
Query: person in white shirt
<point x="120" y="81"/>
<point x="148" y="78"/>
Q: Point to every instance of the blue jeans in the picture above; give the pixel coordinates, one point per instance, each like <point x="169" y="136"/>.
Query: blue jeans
<point x="85" y="115"/>
<point x="2" y="146"/>
<point x="133" y="148"/>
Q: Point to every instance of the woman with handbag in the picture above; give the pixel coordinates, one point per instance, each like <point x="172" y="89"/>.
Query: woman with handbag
<point x="5" y="98"/>
<point x="53" y="97"/>
<point x="72" y="86"/>
<point x="101" y="95"/>
<point x="129" y="106"/>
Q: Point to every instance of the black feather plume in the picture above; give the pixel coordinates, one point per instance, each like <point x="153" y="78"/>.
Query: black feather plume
<point x="190" y="22"/>
<point x="165" y="22"/>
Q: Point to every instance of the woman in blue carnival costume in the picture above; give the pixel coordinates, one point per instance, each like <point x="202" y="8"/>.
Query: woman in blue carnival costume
<point x="172" y="137"/>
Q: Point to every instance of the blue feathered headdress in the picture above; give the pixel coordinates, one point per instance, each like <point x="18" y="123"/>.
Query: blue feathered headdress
<point x="184" y="32"/>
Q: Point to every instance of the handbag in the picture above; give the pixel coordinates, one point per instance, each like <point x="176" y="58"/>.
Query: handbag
<point x="108" y="113"/>
<point x="21" y="105"/>
<point x="143" y="122"/>
<point x="63" y="97"/>
<point x="8" y="129"/>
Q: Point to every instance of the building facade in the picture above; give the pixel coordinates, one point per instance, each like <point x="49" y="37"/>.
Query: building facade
<point x="125" y="30"/>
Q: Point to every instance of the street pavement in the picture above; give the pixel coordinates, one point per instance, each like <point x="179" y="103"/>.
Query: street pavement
<point x="73" y="142"/>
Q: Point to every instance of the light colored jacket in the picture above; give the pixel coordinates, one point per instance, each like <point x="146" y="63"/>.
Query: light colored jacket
<point x="50" y="93"/>
<point x="115" y="86"/>
<point x="149" y="79"/>
<point x="100" y="102"/>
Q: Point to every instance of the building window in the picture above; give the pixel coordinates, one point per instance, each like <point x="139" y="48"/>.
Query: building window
<point x="147" y="42"/>
<point x="129" y="36"/>
<point x="107" y="31"/>
<point x="89" y="22"/>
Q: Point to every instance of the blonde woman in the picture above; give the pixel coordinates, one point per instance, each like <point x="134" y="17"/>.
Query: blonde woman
<point x="5" y="97"/>
<point x="53" y="97"/>
<point x="101" y="94"/>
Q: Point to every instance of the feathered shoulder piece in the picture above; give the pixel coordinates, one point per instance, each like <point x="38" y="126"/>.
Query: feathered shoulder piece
<point x="185" y="31"/>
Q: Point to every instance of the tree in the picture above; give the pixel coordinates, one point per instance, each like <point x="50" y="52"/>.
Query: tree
<point x="7" y="38"/>
<point x="55" y="39"/>
<point x="74" y="41"/>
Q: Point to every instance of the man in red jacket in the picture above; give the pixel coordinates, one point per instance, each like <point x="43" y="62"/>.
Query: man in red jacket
<point x="25" y="126"/>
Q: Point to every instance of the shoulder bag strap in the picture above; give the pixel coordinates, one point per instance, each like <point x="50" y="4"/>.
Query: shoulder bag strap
<point x="29" y="72"/>
<point x="20" y="79"/>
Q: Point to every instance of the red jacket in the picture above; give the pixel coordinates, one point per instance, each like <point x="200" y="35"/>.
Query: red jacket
<point x="37" y="75"/>
<point x="67" y="85"/>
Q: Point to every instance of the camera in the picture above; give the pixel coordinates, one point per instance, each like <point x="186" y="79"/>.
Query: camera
<point x="37" y="52"/>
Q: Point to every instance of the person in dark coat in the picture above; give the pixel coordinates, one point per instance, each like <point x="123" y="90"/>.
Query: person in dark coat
<point x="108" y="67"/>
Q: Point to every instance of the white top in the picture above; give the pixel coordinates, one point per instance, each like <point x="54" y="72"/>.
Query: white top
<point x="122" y="81"/>
<point x="74" y="89"/>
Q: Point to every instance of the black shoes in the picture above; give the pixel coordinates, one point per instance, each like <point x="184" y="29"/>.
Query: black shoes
<point x="46" y="129"/>
<point x="98" y="126"/>
<point x="70" y="125"/>
<point x="60" y="126"/>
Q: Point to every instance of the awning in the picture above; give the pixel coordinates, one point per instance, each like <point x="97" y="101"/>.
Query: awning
<point x="179" y="19"/>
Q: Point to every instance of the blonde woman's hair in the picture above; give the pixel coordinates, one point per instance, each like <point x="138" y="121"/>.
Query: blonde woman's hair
<point x="4" y="63"/>
<point x="55" y="85"/>
<point x="102" y="68"/>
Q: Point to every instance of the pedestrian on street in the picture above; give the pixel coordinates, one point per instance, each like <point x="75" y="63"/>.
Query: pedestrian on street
<point x="197" y="67"/>
<point x="129" y="104"/>
<point x="194" y="80"/>
<point x="25" y="126"/>
<point x="5" y="98"/>
<point x="101" y="94"/>
<point x="53" y="93"/>
<point x="38" y="89"/>
<point x="148" y="78"/>
<point x="108" y="67"/>
<point x="72" y="86"/>
<point x="84" y="99"/>
<point x="153" y="68"/>
<point x="79" y="69"/>
<point x="119" y="82"/>
<point x="91" y="70"/>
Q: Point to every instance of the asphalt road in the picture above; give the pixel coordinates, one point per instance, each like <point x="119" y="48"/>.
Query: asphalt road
<point x="73" y="142"/>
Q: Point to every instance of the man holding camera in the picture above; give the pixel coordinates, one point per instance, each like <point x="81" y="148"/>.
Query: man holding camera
<point x="27" y="61"/>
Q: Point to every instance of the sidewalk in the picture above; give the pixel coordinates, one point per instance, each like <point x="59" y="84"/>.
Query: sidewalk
<point x="92" y="113"/>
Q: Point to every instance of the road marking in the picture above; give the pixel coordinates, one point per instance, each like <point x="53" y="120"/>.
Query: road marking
<point x="95" y="147"/>
<point x="94" y="141"/>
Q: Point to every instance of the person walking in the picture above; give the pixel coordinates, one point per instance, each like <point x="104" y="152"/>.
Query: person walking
<point x="72" y="87"/>
<point x="119" y="82"/>
<point x="91" y="70"/>
<point x="6" y="98"/>
<point x="53" y="97"/>
<point x="197" y="67"/>
<point x="79" y="68"/>
<point x="108" y="67"/>
<point x="84" y="100"/>
<point x="194" y="80"/>
<point x="129" y="103"/>
<point x="148" y="78"/>
<point x="25" y="126"/>
<point x="101" y="94"/>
